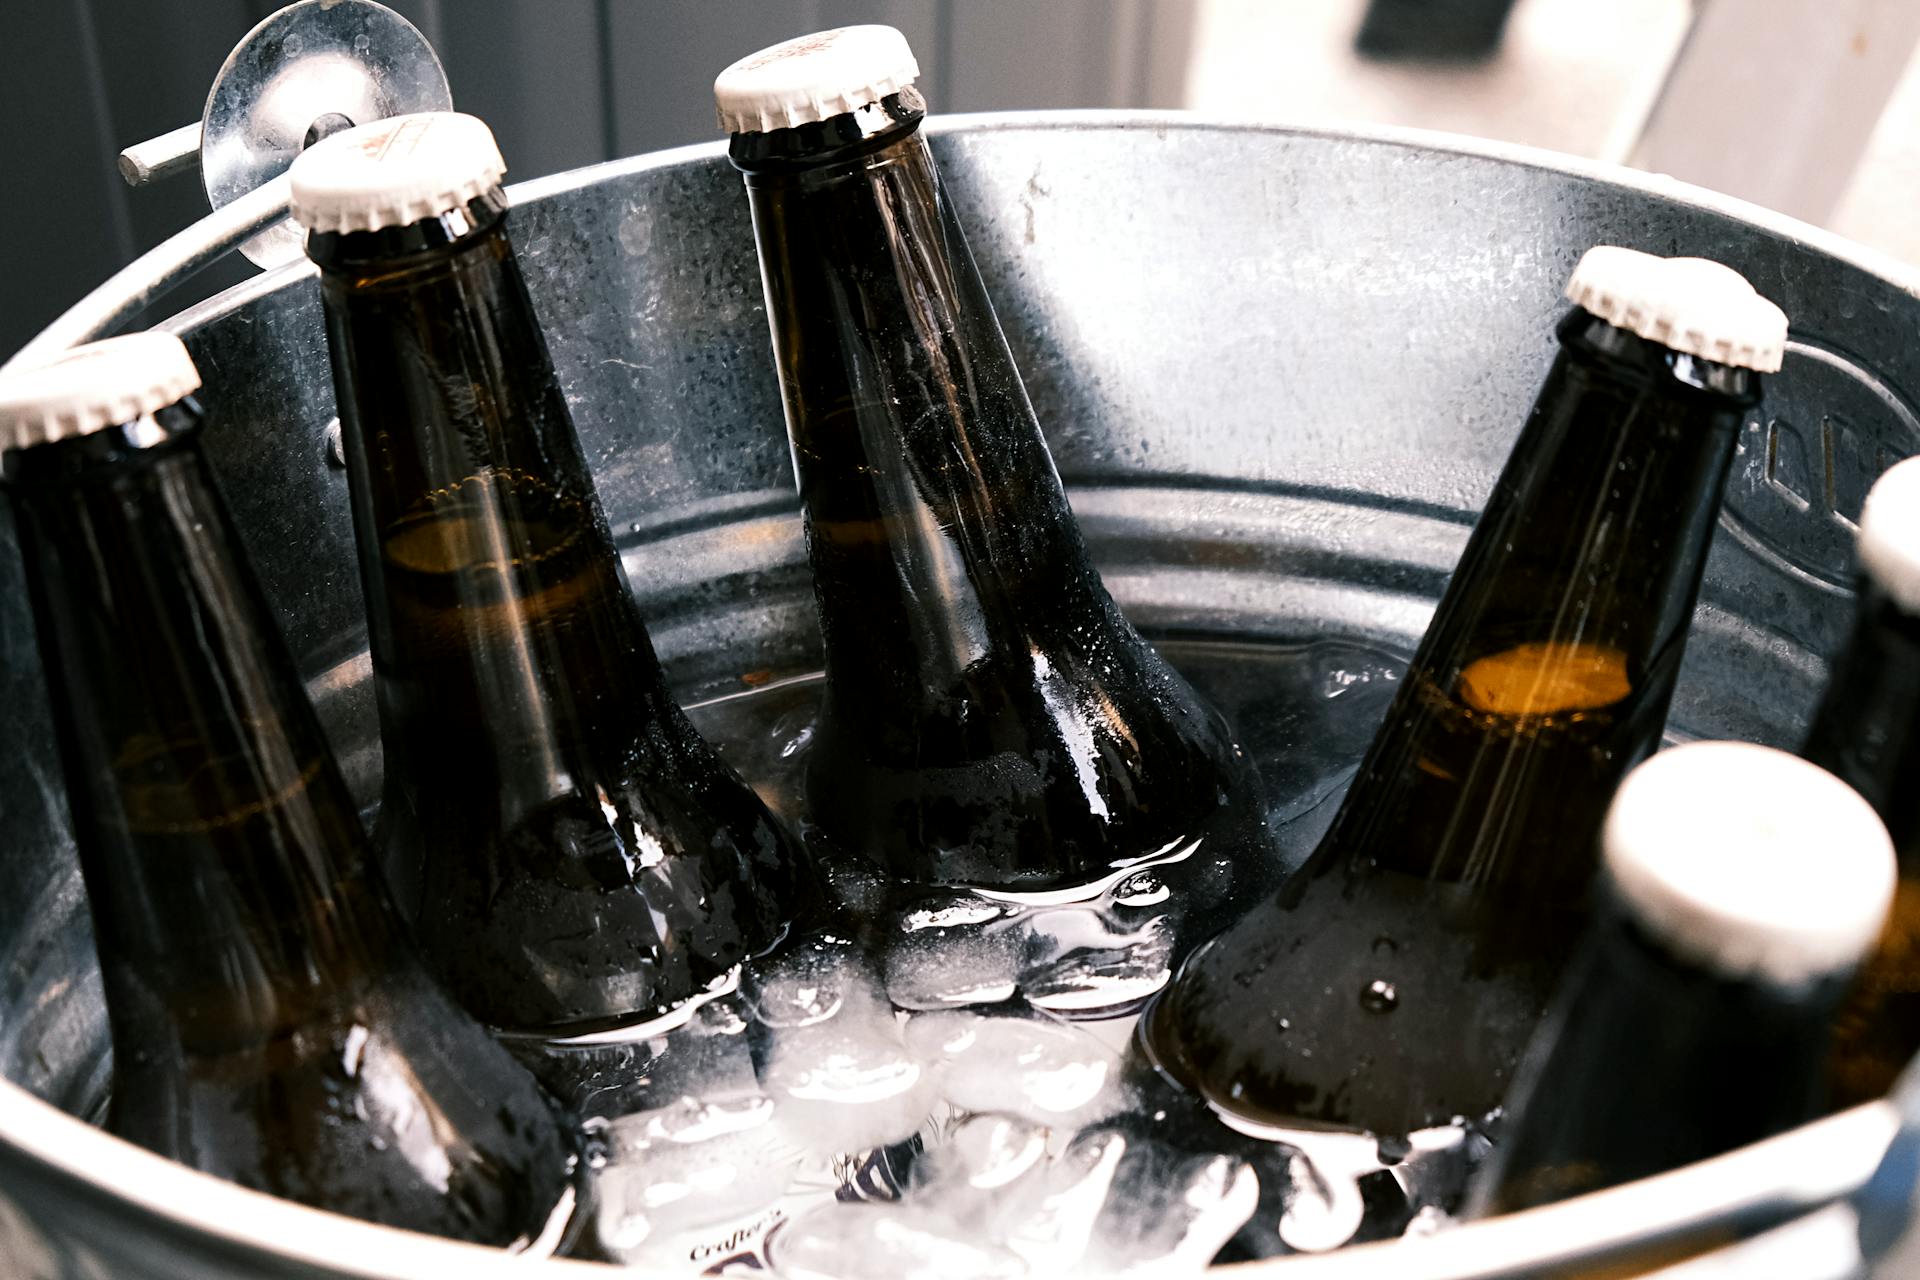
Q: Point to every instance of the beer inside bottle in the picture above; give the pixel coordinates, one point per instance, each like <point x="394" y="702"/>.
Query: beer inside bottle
<point x="990" y="718"/>
<point x="1743" y="887"/>
<point x="574" y="856"/>
<point x="1866" y="731"/>
<point x="269" y="1023"/>
<point x="1393" y="982"/>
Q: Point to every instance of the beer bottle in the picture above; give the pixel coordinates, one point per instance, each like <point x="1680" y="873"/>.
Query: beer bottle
<point x="270" y="1023"/>
<point x="1742" y="887"/>
<point x="1394" y="980"/>
<point x="1866" y="731"/>
<point x="990" y="718"/>
<point x="573" y="855"/>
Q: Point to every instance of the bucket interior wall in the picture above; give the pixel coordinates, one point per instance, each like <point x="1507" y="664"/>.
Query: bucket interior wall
<point x="1278" y="370"/>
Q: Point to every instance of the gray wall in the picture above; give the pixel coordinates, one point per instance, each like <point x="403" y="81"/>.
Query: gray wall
<point x="563" y="83"/>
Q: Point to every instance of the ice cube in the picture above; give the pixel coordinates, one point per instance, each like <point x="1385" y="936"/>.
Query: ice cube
<point x="887" y="1242"/>
<point x="955" y="909"/>
<point x="1043" y="1071"/>
<point x="847" y="1092"/>
<point x="1437" y="1166"/>
<point x="680" y="1174"/>
<point x="1168" y="1214"/>
<point x="845" y="1083"/>
<point x="979" y="1171"/>
<point x="1324" y="1204"/>
<point x="811" y="984"/>
<point x="1081" y="958"/>
<point x="1051" y="1235"/>
<point x="985" y="1152"/>
<point x="951" y="949"/>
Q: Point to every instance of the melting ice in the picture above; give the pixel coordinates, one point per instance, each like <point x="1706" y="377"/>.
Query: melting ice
<point x="945" y="1097"/>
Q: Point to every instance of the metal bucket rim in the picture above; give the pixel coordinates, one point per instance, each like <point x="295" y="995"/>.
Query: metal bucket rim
<point x="1826" y="1159"/>
<point x="1876" y="262"/>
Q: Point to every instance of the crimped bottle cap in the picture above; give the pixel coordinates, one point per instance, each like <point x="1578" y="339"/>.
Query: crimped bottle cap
<point x="91" y="387"/>
<point x="1890" y="534"/>
<point x="1750" y="862"/>
<point x="394" y="172"/>
<point x="816" y="77"/>
<point x="1693" y="305"/>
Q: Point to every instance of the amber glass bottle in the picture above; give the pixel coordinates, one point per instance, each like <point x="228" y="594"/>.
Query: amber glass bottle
<point x="574" y="856"/>
<point x="990" y="719"/>
<point x="1867" y="732"/>
<point x="1696" y="1017"/>
<point x="1393" y="982"/>
<point x="270" y="1024"/>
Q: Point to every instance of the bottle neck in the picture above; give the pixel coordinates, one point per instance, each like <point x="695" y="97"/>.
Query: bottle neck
<point x="934" y="510"/>
<point x="1650" y="1061"/>
<point x="225" y="864"/>
<point x="503" y="635"/>
<point x="1866" y="730"/>
<point x="1551" y="661"/>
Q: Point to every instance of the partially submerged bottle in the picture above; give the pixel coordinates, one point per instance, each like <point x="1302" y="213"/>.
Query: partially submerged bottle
<point x="573" y="855"/>
<point x="1393" y="982"/>
<point x="1743" y="887"/>
<point x="1867" y="732"/>
<point x="991" y="719"/>
<point x="270" y="1024"/>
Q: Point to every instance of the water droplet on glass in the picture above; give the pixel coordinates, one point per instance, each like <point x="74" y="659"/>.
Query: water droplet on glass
<point x="1384" y="946"/>
<point x="1379" y="996"/>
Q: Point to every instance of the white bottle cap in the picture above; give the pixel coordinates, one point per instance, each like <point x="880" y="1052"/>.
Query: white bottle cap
<point x="92" y="387"/>
<point x="813" y="78"/>
<point x="1750" y="862"/>
<point x="1890" y="534"/>
<point x="394" y="172"/>
<point x="1686" y="304"/>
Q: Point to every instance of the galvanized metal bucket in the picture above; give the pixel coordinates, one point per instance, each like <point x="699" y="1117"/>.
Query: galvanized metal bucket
<point x="1279" y="371"/>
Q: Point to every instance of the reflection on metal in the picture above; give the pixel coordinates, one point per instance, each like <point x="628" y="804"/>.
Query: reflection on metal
<point x="350" y="58"/>
<point x="1279" y="371"/>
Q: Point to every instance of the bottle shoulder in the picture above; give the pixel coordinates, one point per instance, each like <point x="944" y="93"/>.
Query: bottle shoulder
<point x="327" y="1114"/>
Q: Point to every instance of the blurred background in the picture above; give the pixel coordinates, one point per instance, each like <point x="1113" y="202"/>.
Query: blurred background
<point x="1811" y="107"/>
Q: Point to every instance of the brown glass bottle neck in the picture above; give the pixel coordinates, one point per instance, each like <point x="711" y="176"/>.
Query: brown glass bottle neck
<point x="1596" y="527"/>
<point x="225" y="864"/>
<point x="933" y="507"/>
<point x="1552" y="658"/>
<point x="498" y="612"/>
